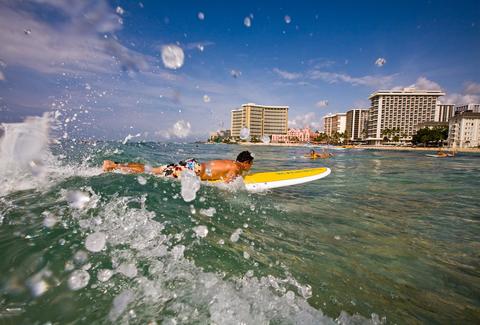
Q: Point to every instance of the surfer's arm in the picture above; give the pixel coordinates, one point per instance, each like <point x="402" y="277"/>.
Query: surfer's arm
<point x="135" y="168"/>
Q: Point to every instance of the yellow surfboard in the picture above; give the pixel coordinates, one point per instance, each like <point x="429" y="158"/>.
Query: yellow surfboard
<point x="269" y="180"/>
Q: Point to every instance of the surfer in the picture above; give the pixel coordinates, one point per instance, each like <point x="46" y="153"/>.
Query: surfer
<point x="314" y="155"/>
<point x="226" y="170"/>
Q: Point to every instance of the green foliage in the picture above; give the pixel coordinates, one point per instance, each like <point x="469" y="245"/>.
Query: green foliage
<point x="427" y="136"/>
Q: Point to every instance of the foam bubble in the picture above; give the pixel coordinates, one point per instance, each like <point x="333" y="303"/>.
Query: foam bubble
<point x="128" y="269"/>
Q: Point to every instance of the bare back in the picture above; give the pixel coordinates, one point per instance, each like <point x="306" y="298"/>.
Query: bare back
<point x="220" y="169"/>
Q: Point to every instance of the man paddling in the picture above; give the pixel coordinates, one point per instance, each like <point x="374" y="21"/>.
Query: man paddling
<point x="226" y="170"/>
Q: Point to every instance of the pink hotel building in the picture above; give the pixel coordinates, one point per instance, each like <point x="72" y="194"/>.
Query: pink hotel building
<point x="294" y="136"/>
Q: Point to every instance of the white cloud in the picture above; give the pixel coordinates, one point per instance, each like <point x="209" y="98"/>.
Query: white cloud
<point x="309" y="119"/>
<point x="471" y="93"/>
<point x="322" y="103"/>
<point x="181" y="129"/>
<point x="287" y="75"/>
<point x="423" y="83"/>
<point x="472" y="88"/>
<point x="459" y="99"/>
<point x="78" y="45"/>
<point x="332" y="77"/>
<point x="380" y="62"/>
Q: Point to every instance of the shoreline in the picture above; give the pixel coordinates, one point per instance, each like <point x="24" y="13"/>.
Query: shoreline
<point x="388" y="148"/>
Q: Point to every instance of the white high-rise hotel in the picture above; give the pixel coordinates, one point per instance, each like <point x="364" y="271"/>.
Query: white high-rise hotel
<point x="401" y="110"/>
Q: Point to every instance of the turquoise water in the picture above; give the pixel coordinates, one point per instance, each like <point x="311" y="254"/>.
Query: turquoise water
<point x="395" y="234"/>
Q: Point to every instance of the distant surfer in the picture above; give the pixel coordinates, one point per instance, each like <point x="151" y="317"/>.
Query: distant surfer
<point x="323" y="155"/>
<point x="226" y="170"/>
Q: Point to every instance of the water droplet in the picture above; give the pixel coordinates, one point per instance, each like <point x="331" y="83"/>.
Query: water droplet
<point x="206" y="99"/>
<point x="244" y="133"/>
<point x="172" y="56"/>
<point x="201" y="231"/>
<point x="141" y="180"/>
<point x="247" y="22"/>
<point x="201" y="15"/>
<point x="288" y="19"/>
<point x="95" y="242"/>
<point x="78" y="279"/>
<point x="104" y="275"/>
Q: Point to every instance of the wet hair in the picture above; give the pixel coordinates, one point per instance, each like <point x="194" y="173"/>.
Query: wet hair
<point x="245" y="156"/>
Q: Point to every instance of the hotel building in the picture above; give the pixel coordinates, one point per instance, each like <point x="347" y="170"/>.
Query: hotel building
<point x="356" y="124"/>
<point x="294" y="136"/>
<point x="260" y="119"/>
<point x="464" y="130"/>
<point x="402" y="109"/>
<point x="474" y="108"/>
<point x="443" y="112"/>
<point x="334" y="123"/>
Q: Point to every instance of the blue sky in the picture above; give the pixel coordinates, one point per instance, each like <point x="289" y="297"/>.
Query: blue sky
<point x="98" y="63"/>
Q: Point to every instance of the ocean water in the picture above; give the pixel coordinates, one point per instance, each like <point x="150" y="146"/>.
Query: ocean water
<point x="388" y="237"/>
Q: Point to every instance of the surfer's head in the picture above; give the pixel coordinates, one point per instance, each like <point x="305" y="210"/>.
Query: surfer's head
<point x="246" y="159"/>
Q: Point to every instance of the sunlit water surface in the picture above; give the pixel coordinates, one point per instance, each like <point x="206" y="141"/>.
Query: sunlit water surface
<point x="395" y="234"/>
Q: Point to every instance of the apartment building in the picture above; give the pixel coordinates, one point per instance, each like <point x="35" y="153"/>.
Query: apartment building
<point x="356" y="124"/>
<point x="335" y="123"/>
<point x="260" y="119"/>
<point x="464" y="130"/>
<point x="402" y="110"/>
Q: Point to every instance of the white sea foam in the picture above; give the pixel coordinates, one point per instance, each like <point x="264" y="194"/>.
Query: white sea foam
<point x="173" y="284"/>
<point x="26" y="161"/>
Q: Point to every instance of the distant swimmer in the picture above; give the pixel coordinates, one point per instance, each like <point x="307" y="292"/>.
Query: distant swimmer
<point x="315" y="155"/>
<point x="226" y="170"/>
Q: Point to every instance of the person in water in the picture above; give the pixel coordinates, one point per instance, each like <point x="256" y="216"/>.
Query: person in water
<point x="226" y="170"/>
<point x="324" y="154"/>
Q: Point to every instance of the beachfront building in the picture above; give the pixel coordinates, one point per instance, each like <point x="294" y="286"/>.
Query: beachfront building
<point x="400" y="110"/>
<point x="443" y="112"/>
<point x="260" y="119"/>
<point x="356" y="124"/>
<point x="464" y="130"/>
<point x="333" y="123"/>
<point x="474" y="108"/>
<point x="295" y="136"/>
